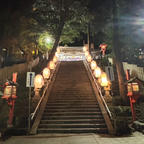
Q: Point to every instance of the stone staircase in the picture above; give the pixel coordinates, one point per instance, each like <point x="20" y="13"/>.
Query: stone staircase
<point x="72" y="106"/>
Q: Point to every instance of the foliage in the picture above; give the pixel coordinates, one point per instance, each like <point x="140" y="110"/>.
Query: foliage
<point x="51" y="14"/>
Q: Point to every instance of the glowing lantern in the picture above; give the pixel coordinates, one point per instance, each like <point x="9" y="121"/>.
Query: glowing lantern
<point x="93" y="65"/>
<point x="46" y="73"/>
<point x="56" y="54"/>
<point x="104" y="80"/>
<point x="58" y="50"/>
<point x="33" y="52"/>
<point x="97" y="72"/>
<point x="9" y="92"/>
<point x="55" y="59"/>
<point x="38" y="81"/>
<point x="85" y="48"/>
<point x="86" y="53"/>
<point x="52" y="65"/>
<point x="89" y="58"/>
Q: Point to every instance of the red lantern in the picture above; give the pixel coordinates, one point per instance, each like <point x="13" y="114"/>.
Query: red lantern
<point x="9" y="91"/>
<point x="103" y="48"/>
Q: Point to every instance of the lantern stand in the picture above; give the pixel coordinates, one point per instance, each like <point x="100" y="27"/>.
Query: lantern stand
<point x="133" y="90"/>
<point x="46" y="75"/>
<point x="133" y="94"/>
<point x="10" y="96"/>
<point x="38" y="83"/>
<point x="107" y="89"/>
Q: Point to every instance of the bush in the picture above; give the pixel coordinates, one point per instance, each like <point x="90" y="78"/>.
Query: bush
<point x="121" y="126"/>
<point x="121" y="110"/>
<point x="118" y="101"/>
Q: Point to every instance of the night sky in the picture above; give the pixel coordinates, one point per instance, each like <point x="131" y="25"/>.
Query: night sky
<point x="14" y="5"/>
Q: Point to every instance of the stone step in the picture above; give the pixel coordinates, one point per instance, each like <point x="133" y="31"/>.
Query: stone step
<point x="71" y="113"/>
<point x="72" y="101"/>
<point x="62" y="104"/>
<point x="65" y="117"/>
<point x="72" y="106"/>
<point x="73" y="130"/>
<point x="86" y="125"/>
<point x="72" y="98"/>
<point x="72" y="110"/>
<point x="72" y="121"/>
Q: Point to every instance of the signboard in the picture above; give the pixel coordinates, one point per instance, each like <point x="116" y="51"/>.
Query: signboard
<point x="30" y="79"/>
<point x="109" y="72"/>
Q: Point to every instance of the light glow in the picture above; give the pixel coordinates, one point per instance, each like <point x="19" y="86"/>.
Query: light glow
<point x="93" y="65"/>
<point x="89" y="58"/>
<point x="104" y="80"/>
<point x="97" y="72"/>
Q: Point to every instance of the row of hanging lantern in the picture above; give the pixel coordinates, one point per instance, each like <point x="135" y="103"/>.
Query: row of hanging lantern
<point x="98" y="73"/>
<point x="40" y="79"/>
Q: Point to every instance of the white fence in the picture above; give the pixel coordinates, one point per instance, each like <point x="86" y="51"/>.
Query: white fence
<point x="6" y="72"/>
<point x="134" y="70"/>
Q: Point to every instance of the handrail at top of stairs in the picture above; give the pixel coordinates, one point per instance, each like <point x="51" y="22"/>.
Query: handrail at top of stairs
<point x="99" y="90"/>
<point x="41" y="99"/>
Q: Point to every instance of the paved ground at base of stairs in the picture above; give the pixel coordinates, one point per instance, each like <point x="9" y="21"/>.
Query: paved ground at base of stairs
<point x="135" y="138"/>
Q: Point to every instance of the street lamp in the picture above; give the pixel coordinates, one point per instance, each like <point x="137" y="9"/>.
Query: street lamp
<point x="48" y="40"/>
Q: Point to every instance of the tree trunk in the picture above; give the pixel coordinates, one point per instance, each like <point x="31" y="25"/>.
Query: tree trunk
<point x="60" y="28"/>
<point x="88" y="37"/>
<point x="57" y="39"/>
<point x="116" y="52"/>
